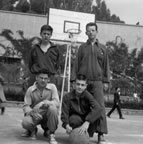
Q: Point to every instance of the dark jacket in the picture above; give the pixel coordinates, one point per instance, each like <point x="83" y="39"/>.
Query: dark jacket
<point x="92" y="61"/>
<point x="44" y="61"/>
<point x="84" y="105"/>
<point x="117" y="98"/>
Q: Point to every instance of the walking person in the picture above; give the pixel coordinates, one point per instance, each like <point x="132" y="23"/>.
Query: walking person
<point x="117" y="104"/>
<point x="92" y="61"/>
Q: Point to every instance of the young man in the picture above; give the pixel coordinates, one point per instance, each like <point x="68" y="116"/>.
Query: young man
<point x="117" y="103"/>
<point x="79" y="108"/>
<point x="44" y="55"/>
<point x="92" y="61"/>
<point x="41" y="105"/>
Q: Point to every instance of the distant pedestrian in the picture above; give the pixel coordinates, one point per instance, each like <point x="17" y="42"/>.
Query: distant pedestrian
<point x="117" y="104"/>
<point x="2" y="96"/>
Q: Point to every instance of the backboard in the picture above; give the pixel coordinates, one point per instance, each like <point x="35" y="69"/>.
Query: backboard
<point x="63" y="20"/>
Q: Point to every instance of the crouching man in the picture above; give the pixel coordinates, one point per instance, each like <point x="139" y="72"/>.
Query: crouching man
<point x="79" y="108"/>
<point x="41" y="105"/>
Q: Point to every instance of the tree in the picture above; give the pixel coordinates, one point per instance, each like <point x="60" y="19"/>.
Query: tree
<point x="103" y="13"/>
<point x="118" y="55"/>
<point x="41" y="7"/>
<point x="21" y="46"/>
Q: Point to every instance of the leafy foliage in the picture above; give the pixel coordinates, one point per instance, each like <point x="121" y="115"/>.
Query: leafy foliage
<point x="41" y="7"/>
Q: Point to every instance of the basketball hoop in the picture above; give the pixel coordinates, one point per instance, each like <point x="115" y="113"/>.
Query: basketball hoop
<point x="73" y="35"/>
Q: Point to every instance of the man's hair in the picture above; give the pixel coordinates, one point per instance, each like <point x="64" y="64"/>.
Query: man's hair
<point x="43" y="71"/>
<point x="81" y="77"/>
<point x="92" y="24"/>
<point x="46" y="27"/>
<point x="116" y="88"/>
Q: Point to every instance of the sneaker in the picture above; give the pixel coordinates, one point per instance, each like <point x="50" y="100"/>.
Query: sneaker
<point x="2" y="110"/>
<point x="101" y="139"/>
<point x="121" y="118"/>
<point x="33" y="135"/>
<point x="52" y="139"/>
<point x="26" y="133"/>
<point x="108" y="116"/>
<point x="46" y="133"/>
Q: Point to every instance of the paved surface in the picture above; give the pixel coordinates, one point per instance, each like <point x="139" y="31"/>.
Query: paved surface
<point x="127" y="131"/>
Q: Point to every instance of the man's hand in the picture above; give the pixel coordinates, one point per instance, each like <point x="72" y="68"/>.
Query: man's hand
<point x="84" y="127"/>
<point x="36" y="116"/>
<point x="68" y="129"/>
<point x="40" y="104"/>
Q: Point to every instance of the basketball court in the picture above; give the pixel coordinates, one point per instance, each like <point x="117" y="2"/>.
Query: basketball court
<point x="127" y="131"/>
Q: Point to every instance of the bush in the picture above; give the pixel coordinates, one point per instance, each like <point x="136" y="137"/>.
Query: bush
<point x="14" y="92"/>
<point x="132" y="104"/>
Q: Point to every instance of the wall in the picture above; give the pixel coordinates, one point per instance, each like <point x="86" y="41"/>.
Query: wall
<point x="132" y="35"/>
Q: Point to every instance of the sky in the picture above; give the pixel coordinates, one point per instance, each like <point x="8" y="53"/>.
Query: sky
<point x="130" y="11"/>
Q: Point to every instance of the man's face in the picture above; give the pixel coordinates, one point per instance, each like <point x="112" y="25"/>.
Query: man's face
<point x="80" y="86"/>
<point x="42" y="80"/>
<point x="91" y="32"/>
<point x="46" y="35"/>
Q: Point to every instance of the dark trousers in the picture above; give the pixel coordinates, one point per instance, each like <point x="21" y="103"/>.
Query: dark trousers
<point x="96" y="89"/>
<point x="76" y="121"/>
<point x="49" y="120"/>
<point x="118" y="109"/>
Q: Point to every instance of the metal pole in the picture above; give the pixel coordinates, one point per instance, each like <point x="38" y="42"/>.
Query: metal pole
<point x="69" y="70"/>
<point x="64" y="76"/>
<point x="48" y="11"/>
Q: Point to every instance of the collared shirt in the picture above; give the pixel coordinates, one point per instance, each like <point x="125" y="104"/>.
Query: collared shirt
<point x="92" y="61"/>
<point x="33" y="96"/>
<point x="46" y="61"/>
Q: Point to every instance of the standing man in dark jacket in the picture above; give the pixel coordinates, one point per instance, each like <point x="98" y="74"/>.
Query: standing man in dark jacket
<point x="79" y="108"/>
<point x="92" y="61"/>
<point x="117" y="103"/>
<point x="45" y="55"/>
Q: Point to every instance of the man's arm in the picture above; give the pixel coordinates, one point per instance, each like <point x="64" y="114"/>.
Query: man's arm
<point x="106" y="68"/>
<point x="27" y="102"/>
<point x="95" y="111"/>
<point x="55" y="97"/>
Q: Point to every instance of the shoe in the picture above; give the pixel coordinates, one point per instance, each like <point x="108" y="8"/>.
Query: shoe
<point x="27" y="133"/>
<point x="108" y="116"/>
<point x="101" y="139"/>
<point x="33" y="135"/>
<point x="46" y="133"/>
<point x="121" y="118"/>
<point x="52" y="139"/>
<point x="2" y="110"/>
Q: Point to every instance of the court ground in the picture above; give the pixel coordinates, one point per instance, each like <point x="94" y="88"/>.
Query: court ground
<point x="127" y="131"/>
